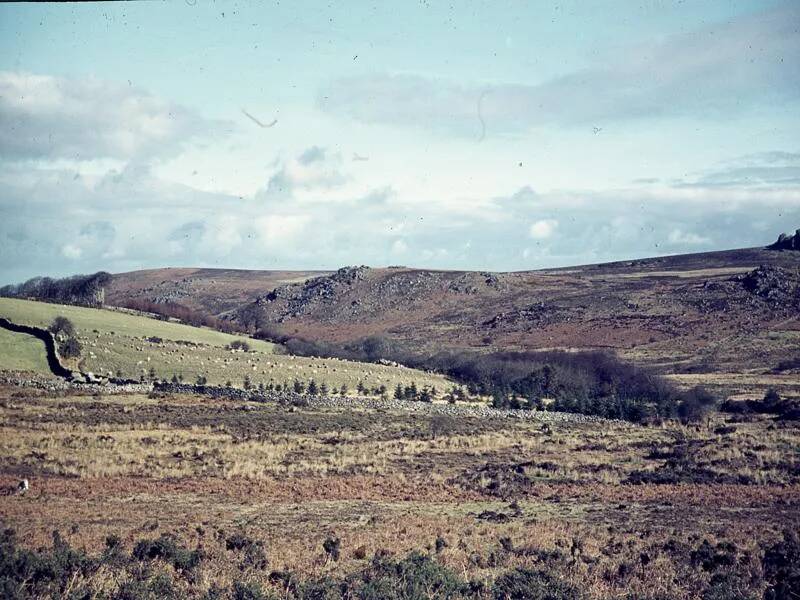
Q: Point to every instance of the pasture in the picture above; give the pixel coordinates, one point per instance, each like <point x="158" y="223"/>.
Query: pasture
<point x="133" y="346"/>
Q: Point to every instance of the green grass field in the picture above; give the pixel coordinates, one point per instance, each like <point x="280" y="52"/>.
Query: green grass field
<point x="21" y="352"/>
<point x="117" y="343"/>
<point x="87" y="320"/>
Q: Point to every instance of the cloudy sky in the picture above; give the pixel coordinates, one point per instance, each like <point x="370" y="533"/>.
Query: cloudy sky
<point x="449" y="135"/>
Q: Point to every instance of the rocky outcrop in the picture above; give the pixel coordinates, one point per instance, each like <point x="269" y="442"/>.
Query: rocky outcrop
<point x="787" y="242"/>
<point x="773" y="284"/>
<point x="356" y="294"/>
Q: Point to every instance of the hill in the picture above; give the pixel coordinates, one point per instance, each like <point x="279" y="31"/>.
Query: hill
<point x="213" y="291"/>
<point x="129" y="345"/>
<point x="693" y="315"/>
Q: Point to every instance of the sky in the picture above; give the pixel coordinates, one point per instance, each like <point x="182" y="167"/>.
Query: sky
<point x="474" y="135"/>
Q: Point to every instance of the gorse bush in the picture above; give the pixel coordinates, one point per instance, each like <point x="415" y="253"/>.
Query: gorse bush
<point x="25" y="573"/>
<point x="162" y="568"/>
<point x="252" y="551"/>
<point x="526" y="584"/>
<point x="70" y="348"/>
<point x="781" y="565"/>
<point x="62" y="327"/>
<point x="239" y="345"/>
<point x="167" y="548"/>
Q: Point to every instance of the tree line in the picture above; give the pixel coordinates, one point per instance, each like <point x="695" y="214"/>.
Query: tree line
<point x="591" y="382"/>
<point x="81" y="290"/>
<point x="173" y="310"/>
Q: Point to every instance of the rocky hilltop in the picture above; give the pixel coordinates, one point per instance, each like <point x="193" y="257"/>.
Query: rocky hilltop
<point x="351" y="293"/>
<point x="787" y="242"/>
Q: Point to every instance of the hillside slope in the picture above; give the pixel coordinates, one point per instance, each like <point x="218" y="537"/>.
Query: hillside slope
<point x="213" y="291"/>
<point x="689" y="313"/>
<point x="126" y="345"/>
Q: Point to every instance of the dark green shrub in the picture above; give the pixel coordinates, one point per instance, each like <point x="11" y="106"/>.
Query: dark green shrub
<point x="254" y="555"/>
<point x="781" y="565"/>
<point x="133" y="589"/>
<point x="44" y="572"/>
<point x="70" y="348"/>
<point x="526" y="584"/>
<point x="772" y="397"/>
<point x="239" y="345"/>
<point x="247" y="591"/>
<point x="215" y="592"/>
<point x="695" y="404"/>
<point x="728" y="586"/>
<point x="113" y="553"/>
<point x="332" y="547"/>
<point x="414" y="578"/>
<point x="62" y="327"/>
<point x="162" y="587"/>
<point x="322" y="589"/>
<point x="167" y="549"/>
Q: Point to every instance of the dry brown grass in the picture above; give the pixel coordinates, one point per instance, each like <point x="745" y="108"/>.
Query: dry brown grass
<point x="138" y="466"/>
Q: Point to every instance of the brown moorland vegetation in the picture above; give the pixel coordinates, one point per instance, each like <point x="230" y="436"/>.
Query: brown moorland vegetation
<point x="201" y="497"/>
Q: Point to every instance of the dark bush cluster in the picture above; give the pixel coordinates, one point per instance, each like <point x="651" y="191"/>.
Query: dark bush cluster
<point x="239" y="345"/>
<point x="65" y="335"/>
<point x="771" y="404"/>
<point x="82" y="290"/>
<point x="584" y="382"/>
<point x="43" y="573"/>
<point x="253" y="554"/>
<point x="167" y="548"/>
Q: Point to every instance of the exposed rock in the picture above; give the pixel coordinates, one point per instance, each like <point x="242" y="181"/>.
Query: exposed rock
<point x="774" y="284"/>
<point x="352" y="294"/>
<point x="787" y="242"/>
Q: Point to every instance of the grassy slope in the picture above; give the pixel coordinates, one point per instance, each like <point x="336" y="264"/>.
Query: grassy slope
<point x="119" y="323"/>
<point x="116" y="342"/>
<point x="21" y="352"/>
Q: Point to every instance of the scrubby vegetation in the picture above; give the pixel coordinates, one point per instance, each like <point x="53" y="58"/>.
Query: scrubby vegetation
<point x="177" y="496"/>
<point x="771" y="404"/>
<point x="63" y="330"/>
<point x="163" y="568"/>
<point x="592" y="383"/>
<point x="184" y="314"/>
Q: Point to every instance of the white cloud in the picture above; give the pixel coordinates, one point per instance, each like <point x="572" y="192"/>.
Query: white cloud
<point x="71" y="251"/>
<point x="715" y="70"/>
<point x="277" y="230"/>
<point x="82" y="119"/>
<point x="313" y="170"/>
<point x="687" y="238"/>
<point x="399" y="246"/>
<point x="543" y="229"/>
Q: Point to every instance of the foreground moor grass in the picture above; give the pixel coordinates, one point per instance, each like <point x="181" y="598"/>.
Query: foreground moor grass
<point x="284" y="501"/>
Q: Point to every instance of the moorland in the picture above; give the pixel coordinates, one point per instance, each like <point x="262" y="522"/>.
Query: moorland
<point x="627" y="430"/>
